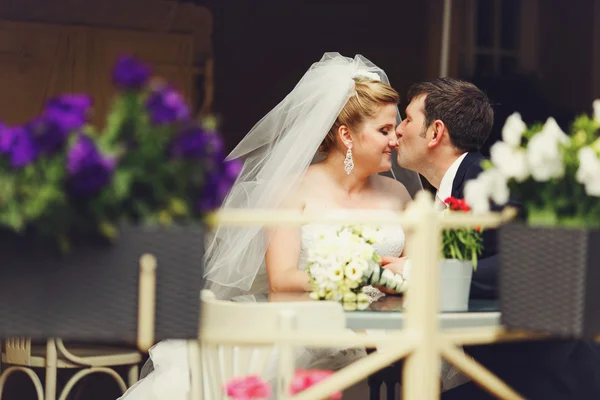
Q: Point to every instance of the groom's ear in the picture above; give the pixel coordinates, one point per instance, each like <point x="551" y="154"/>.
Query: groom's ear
<point x="438" y="130"/>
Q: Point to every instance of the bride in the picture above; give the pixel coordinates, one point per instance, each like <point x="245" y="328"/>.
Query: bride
<point x="323" y="148"/>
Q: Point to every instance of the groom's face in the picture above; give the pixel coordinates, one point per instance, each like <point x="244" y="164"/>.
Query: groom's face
<point x="412" y="145"/>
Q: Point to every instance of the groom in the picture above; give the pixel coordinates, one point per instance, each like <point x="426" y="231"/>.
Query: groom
<point x="447" y="121"/>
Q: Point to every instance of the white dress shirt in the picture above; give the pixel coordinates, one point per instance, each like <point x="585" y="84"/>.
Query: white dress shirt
<point x="445" y="189"/>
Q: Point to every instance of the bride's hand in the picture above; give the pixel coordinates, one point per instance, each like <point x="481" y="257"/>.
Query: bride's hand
<point x="394" y="264"/>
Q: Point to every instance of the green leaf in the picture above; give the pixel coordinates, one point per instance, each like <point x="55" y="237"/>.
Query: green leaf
<point x="7" y="188"/>
<point x="108" y="230"/>
<point x="64" y="244"/>
<point x="122" y="181"/>
<point x="178" y="207"/>
<point x="12" y="217"/>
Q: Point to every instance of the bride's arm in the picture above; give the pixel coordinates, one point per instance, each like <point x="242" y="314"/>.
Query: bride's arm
<point x="283" y="253"/>
<point x="282" y="258"/>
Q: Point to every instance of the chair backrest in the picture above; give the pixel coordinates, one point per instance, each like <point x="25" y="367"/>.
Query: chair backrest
<point x="221" y="362"/>
<point x="18" y="351"/>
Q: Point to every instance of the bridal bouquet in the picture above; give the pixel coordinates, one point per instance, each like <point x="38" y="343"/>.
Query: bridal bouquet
<point x="554" y="174"/>
<point x="464" y="244"/>
<point x="343" y="261"/>
<point x="152" y="164"/>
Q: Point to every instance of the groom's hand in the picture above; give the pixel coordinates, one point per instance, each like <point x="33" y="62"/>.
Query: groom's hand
<point x="394" y="264"/>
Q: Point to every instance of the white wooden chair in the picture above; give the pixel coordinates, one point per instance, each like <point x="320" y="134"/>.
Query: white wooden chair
<point x="223" y="361"/>
<point x="20" y="356"/>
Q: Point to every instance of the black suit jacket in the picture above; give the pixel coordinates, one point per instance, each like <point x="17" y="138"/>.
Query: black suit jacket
<point x="485" y="279"/>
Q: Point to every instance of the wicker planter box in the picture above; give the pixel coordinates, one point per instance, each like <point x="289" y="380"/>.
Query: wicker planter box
<point x="549" y="279"/>
<point x="91" y="294"/>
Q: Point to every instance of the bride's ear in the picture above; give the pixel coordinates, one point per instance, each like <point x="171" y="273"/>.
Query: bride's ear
<point x="345" y="136"/>
<point x="436" y="133"/>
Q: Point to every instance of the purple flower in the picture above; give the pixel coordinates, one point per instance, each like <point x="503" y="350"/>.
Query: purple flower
<point x="68" y="111"/>
<point x="166" y="105"/>
<point x="190" y="143"/>
<point x="214" y="192"/>
<point x="218" y="184"/>
<point x="196" y="142"/>
<point x="130" y="74"/>
<point x="18" y="143"/>
<point x="48" y="134"/>
<point x="214" y="144"/>
<point x="62" y="116"/>
<point x="89" y="170"/>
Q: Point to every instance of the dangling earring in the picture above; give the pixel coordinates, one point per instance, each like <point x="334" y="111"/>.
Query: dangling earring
<point x="348" y="162"/>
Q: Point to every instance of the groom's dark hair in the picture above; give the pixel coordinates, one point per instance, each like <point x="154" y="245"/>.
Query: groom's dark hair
<point x="461" y="106"/>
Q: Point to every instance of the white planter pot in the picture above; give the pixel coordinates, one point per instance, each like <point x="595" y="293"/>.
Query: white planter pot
<point x="455" y="284"/>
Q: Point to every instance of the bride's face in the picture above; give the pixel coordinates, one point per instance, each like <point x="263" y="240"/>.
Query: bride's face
<point x="374" y="141"/>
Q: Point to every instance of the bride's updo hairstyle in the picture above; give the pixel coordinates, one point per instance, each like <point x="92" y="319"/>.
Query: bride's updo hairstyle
<point x="369" y="97"/>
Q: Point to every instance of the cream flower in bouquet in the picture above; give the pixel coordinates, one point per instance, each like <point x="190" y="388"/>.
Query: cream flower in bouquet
<point x="342" y="261"/>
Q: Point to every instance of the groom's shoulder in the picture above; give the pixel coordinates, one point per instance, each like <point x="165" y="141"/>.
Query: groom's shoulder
<point x="471" y="165"/>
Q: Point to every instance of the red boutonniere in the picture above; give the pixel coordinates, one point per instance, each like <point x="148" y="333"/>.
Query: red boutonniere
<point x="457" y="204"/>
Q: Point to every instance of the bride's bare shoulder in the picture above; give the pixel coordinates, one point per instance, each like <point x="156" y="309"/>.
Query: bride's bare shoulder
<point x="312" y="178"/>
<point x="304" y="187"/>
<point x="391" y="187"/>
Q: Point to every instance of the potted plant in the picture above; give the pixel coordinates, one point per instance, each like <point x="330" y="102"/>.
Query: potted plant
<point x="79" y="206"/>
<point x="460" y="249"/>
<point x="549" y="258"/>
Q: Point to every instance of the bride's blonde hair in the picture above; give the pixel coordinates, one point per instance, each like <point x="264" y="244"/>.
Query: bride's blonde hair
<point x="368" y="98"/>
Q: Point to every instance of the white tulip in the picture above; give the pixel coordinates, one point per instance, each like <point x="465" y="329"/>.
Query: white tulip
<point x="490" y="184"/>
<point x="588" y="172"/>
<point x="511" y="161"/>
<point x="543" y="153"/>
<point x="552" y="129"/>
<point x="596" y="105"/>
<point x="513" y="130"/>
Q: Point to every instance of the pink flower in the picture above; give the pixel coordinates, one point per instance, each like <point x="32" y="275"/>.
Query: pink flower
<point x="303" y="379"/>
<point x="248" y="388"/>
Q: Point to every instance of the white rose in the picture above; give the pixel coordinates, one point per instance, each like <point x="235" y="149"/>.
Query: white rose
<point x="513" y="130"/>
<point x="596" y="105"/>
<point x="354" y="271"/>
<point x="490" y="184"/>
<point x="511" y="161"/>
<point x="543" y="153"/>
<point x="364" y="251"/>
<point x="335" y="273"/>
<point x="352" y="284"/>
<point x="346" y="237"/>
<point x="325" y="247"/>
<point x="372" y="235"/>
<point x="588" y="173"/>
